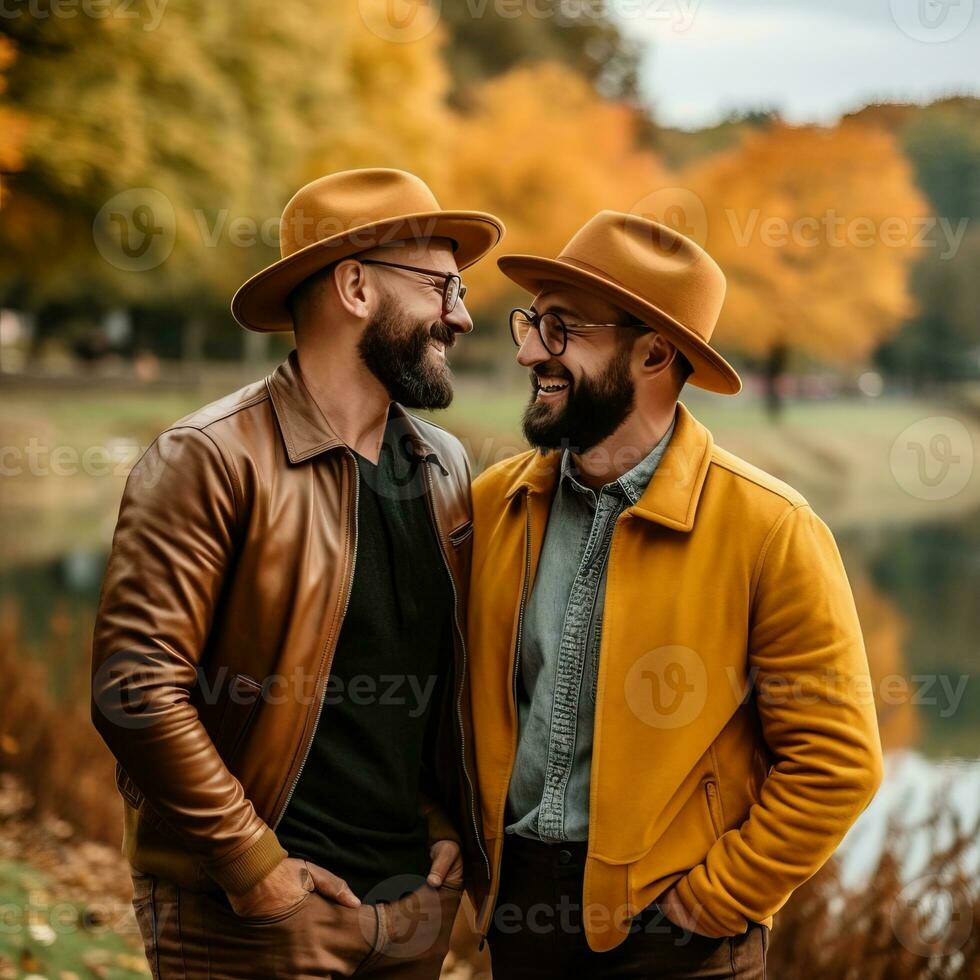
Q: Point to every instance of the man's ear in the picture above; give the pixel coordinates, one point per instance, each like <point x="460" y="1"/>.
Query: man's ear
<point x="353" y="290"/>
<point x="659" y="354"/>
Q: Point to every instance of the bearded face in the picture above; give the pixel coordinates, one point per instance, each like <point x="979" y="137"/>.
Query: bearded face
<point x="409" y="356"/>
<point x="583" y="413"/>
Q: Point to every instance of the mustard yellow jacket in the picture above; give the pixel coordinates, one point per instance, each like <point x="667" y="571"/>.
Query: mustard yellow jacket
<point x="735" y="731"/>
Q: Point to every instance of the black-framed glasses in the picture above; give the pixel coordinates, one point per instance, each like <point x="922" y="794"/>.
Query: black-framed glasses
<point x="452" y="289"/>
<point x="552" y="328"/>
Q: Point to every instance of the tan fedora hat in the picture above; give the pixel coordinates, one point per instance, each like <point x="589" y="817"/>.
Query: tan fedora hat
<point x="341" y="214"/>
<point x="649" y="270"/>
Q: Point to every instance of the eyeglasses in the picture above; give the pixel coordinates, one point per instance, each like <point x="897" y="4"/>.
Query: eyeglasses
<point x="452" y="289"/>
<point x="552" y="328"/>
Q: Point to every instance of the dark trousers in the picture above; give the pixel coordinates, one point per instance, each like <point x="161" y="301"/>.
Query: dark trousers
<point x="537" y="929"/>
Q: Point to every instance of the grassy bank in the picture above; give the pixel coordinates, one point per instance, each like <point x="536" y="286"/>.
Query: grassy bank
<point x="837" y="453"/>
<point x="67" y="453"/>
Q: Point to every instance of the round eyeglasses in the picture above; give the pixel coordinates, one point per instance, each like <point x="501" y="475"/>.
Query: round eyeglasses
<point x="552" y="328"/>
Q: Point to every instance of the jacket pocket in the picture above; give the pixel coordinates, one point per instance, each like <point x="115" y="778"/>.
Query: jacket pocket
<point x="714" y="807"/>
<point x="135" y="798"/>
<point x="242" y="699"/>
<point x="274" y="917"/>
<point x="127" y="788"/>
<point x="144" y="908"/>
<point x="458" y="535"/>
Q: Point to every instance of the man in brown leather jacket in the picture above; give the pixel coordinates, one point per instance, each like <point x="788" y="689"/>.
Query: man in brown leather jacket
<point x="279" y="657"/>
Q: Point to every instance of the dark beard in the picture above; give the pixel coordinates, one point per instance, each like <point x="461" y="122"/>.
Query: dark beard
<point x="397" y="355"/>
<point x="593" y="410"/>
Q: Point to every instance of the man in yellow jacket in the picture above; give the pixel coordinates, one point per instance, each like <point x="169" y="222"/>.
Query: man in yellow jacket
<point x="674" y="721"/>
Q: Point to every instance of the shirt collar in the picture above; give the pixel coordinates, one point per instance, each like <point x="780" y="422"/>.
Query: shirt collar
<point x="307" y="432"/>
<point x="634" y="481"/>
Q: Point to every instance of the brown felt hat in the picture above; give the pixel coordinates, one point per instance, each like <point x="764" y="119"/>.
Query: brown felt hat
<point x="650" y="270"/>
<point x="341" y="214"/>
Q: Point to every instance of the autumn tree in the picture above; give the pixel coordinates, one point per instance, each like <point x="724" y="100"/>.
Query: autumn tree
<point x="942" y="341"/>
<point x="115" y="107"/>
<point x="391" y="110"/>
<point x="486" y="39"/>
<point x="545" y="153"/>
<point x="12" y="124"/>
<point x="189" y="130"/>
<point x="815" y="229"/>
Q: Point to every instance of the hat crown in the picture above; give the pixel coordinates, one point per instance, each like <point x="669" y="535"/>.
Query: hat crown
<point x="340" y="202"/>
<point x="653" y="261"/>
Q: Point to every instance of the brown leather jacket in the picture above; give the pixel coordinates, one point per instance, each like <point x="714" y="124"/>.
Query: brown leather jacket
<point x="231" y="567"/>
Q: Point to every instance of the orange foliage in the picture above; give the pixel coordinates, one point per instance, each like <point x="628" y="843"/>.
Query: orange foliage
<point x="884" y="628"/>
<point x="390" y="109"/>
<point x="544" y="152"/>
<point x="13" y="127"/>
<point x="815" y="229"/>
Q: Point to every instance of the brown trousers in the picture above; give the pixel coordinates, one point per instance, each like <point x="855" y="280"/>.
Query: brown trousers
<point x="537" y="929"/>
<point x="197" y="935"/>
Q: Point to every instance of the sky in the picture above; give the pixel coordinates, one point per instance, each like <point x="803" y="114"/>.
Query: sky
<point x="813" y="60"/>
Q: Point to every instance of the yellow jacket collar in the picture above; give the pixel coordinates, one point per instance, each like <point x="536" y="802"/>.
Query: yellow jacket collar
<point x="671" y="497"/>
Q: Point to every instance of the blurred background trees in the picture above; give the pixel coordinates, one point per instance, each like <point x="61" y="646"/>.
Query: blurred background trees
<point x="145" y="159"/>
<point x="814" y="229"/>
<point x="145" y="156"/>
<point x="942" y="340"/>
<point x="541" y="149"/>
<point x="12" y="124"/>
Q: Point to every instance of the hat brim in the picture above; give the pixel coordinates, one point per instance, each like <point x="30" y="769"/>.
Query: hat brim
<point x="711" y="371"/>
<point x="260" y="303"/>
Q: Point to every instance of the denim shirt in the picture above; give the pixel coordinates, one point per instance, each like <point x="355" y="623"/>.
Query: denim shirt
<point x="548" y="796"/>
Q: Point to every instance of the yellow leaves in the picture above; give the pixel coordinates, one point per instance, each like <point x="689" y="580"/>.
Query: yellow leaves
<point x="226" y="113"/>
<point x="392" y="110"/>
<point x="541" y="150"/>
<point x="815" y="229"/>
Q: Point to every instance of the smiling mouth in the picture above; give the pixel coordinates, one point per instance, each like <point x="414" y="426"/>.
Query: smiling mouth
<point x="549" y="385"/>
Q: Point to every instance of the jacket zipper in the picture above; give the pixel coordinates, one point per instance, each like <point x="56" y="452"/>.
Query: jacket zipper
<point x="593" y="768"/>
<point x="520" y="615"/>
<point x="462" y="679"/>
<point x="495" y="883"/>
<point x="350" y="587"/>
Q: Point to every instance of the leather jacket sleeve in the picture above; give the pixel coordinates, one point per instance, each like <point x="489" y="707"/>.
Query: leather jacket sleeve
<point x="173" y="542"/>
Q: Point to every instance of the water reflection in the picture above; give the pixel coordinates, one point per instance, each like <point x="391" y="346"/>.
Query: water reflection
<point x="917" y="589"/>
<point x="916" y="790"/>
